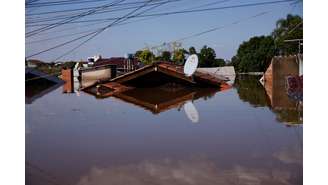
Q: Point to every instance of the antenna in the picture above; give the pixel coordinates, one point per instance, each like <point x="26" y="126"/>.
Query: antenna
<point x="190" y="65"/>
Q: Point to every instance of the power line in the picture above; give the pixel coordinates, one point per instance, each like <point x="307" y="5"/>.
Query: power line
<point x="59" y="3"/>
<point x="92" y="34"/>
<point x="60" y="36"/>
<point x="129" y="16"/>
<point x="187" y="11"/>
<point x="73" y="49"/>
<point x="79" y="9"/>
<point x="300" y="23"/>
<point x="31" y="33"/>
<point x="58" y="17"/>
<point x="216" y="28"/>
<point x="60" y="45"/>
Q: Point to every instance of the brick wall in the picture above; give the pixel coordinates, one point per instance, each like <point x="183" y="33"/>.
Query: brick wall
<point x="67" y="76"/>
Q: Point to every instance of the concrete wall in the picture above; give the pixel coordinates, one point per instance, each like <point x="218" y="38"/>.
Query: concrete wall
<point x="226" y="72"/>
<point x="90" y="77"/>
<point x="275" y="80"/>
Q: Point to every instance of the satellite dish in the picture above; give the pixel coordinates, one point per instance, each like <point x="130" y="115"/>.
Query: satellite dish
<point x="190" y="65"/>
<point x="191" y="112"/>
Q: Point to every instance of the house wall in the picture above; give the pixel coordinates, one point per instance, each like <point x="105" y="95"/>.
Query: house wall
<point x="275" y="80"/>
<point x="90" y="77"/>
<point x="268" y="81"/>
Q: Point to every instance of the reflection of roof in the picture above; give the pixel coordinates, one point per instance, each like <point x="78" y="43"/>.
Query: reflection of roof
<point x="161" y="99"/>
<point x="155" y="100"/>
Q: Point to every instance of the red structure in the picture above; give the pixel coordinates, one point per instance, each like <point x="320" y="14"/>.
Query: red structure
<point x="67" y="76"/>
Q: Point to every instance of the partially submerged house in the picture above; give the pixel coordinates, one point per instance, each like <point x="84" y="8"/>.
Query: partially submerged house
<point x="159" y="75"/>
<point x="227" y="72"/>
<point x="275" y="77"/>
<point x="276" y="83"/>
<point x="89" y="76"/>
<point x="38" y="83"/>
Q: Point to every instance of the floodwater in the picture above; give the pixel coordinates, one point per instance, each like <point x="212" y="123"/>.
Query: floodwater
<point x="157" y="136"/>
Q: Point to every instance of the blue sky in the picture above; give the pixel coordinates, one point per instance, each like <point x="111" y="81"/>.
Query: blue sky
<point x="118" y="40"/>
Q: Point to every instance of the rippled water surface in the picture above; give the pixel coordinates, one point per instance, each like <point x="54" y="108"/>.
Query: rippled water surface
<point x="158" y="136"/>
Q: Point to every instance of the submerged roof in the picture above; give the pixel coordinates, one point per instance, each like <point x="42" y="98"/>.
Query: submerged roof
<point x="174" y="71"/>
<point x="38" y="84"/>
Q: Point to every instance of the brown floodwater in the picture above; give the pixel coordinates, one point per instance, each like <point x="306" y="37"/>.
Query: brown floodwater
<point x="162" y="136"/>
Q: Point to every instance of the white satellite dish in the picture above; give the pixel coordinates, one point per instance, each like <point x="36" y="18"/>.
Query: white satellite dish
<point x="191" y="112"/>
<point x="190" y="65"/>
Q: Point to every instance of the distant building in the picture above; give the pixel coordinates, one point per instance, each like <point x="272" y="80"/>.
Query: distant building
<point x="33" y="63"/>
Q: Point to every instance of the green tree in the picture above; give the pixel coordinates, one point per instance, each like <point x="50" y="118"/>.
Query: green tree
<point x="137" y="54"/>
<point x="192" y="50"/>
<point x="207" y="57"/>
<point x="288" y="29"/>
<point x="146" y="57"/>
<point x="219" y="62"/>
<point x="254" y="55"/>
<point x="179" y="56"/>
<point x="166" y="56"/>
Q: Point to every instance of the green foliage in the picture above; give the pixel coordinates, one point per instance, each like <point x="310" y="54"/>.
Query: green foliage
<point x="137" y="54"/>
<point x="69" y="64"/>
<point x="219" y="62"/>
<point x="192" y="50"/>
<point x="146" y="57"/>
<point x="179" y="56"/>
<point x="250" y="90"/>
<point x="207" y="57"/>
<point x="254" y="55"/>
<point x="166" y="56"/>
<point x="287" y="29"/>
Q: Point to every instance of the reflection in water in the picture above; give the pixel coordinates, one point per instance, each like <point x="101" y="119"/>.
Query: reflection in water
<point x="187" y="172"/>
<point x="160" y="99"/>
<point x="38" y="87"/>
<point x="250" y="90"/>
<point x="191" y="112"/>
<point x="286" y="109"/>
<point x="81" y="140"/>
<point x="290" y="155"/>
